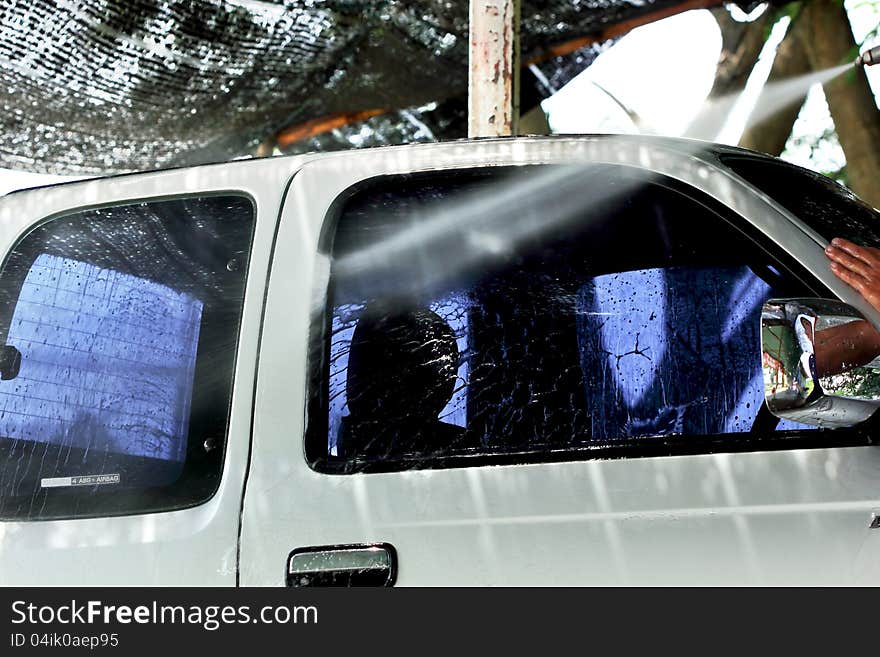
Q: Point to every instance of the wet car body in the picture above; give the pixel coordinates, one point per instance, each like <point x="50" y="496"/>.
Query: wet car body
<point x="525" y="470"/>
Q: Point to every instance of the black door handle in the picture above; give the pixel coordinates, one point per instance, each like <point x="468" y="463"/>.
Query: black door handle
<point x="373" y="564"/>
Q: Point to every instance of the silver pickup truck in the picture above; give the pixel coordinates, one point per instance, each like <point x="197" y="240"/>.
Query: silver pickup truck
<point x="528" y="361"/>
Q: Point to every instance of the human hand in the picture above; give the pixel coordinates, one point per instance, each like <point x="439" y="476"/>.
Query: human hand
<point x="857" y="266"/>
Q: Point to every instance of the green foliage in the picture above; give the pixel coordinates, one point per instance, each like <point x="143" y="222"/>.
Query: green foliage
<point x="816" y="143"/>
<point x="874" y="33"/>
<point x="840" y="175"/>
<point x="862" y="382"/>
<point x="866" y="3"/>
<point x="791" y="9"/>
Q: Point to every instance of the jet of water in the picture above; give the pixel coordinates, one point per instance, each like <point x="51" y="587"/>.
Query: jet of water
<point x="775" y="97"/>
<point x="469" y="232"/>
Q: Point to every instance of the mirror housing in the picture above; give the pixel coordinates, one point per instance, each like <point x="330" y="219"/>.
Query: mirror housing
<point x="821" y="362"/>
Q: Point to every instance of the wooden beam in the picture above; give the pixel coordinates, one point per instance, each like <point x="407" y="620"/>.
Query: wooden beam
<point x="321" y="125"/>
<point x="619" y="29"/>
<point x="493" y="68"/>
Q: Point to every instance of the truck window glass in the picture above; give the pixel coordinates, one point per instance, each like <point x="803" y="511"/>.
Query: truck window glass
<point x="829" y="208"/>
<point x="632" y="322"/>
<point x="126" y="322"/>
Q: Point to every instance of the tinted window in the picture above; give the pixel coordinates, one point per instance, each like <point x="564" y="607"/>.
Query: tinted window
<point x="825" y="206"/>
<point x="633" y="318"/>
<point x="126" y="322"/>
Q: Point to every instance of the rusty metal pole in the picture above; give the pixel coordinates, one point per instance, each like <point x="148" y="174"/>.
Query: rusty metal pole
<point x="493" y="70"/>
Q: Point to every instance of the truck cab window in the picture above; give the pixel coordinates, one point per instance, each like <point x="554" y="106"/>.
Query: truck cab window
<point x="629" y="323"/>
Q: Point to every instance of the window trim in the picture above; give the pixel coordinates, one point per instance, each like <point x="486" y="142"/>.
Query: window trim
<point x="320" y="334"/>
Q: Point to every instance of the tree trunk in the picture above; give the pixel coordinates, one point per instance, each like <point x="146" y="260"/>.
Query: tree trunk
<point x="829" y="42"/>
<point x="741" y="43"/>
<point x="771" y="134"/>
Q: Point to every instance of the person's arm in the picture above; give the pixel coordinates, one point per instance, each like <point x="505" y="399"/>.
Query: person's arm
<point x="843" y="347"/>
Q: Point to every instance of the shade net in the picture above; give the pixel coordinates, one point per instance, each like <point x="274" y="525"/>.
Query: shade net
<point x="100" y="86"/>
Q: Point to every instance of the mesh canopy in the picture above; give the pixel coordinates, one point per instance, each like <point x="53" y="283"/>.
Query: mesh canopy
<point x="95" y="86"/>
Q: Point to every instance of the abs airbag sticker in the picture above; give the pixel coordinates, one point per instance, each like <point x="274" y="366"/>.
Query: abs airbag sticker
<point x="82" y="480"/>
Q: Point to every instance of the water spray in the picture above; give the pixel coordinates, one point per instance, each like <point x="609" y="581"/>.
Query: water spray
<point x="869" y="57"/>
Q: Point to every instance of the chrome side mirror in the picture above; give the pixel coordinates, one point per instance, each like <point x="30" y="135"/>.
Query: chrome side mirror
<point x="821" y="362"/>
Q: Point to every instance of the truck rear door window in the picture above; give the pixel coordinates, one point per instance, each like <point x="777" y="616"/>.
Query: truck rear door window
<point x="120" y="331"/>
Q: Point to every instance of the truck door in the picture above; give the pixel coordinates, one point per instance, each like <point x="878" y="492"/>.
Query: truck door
<point x="128" y="307"/>
<point x="480" y="369"/>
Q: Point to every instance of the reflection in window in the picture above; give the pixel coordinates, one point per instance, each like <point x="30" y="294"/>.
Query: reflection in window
<point x="672" y="351"/>
<point x="452" y="308"/>
<point x="661" y="351"/>
<point x="108" y="361"/>
<point x="627" y="323"/>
